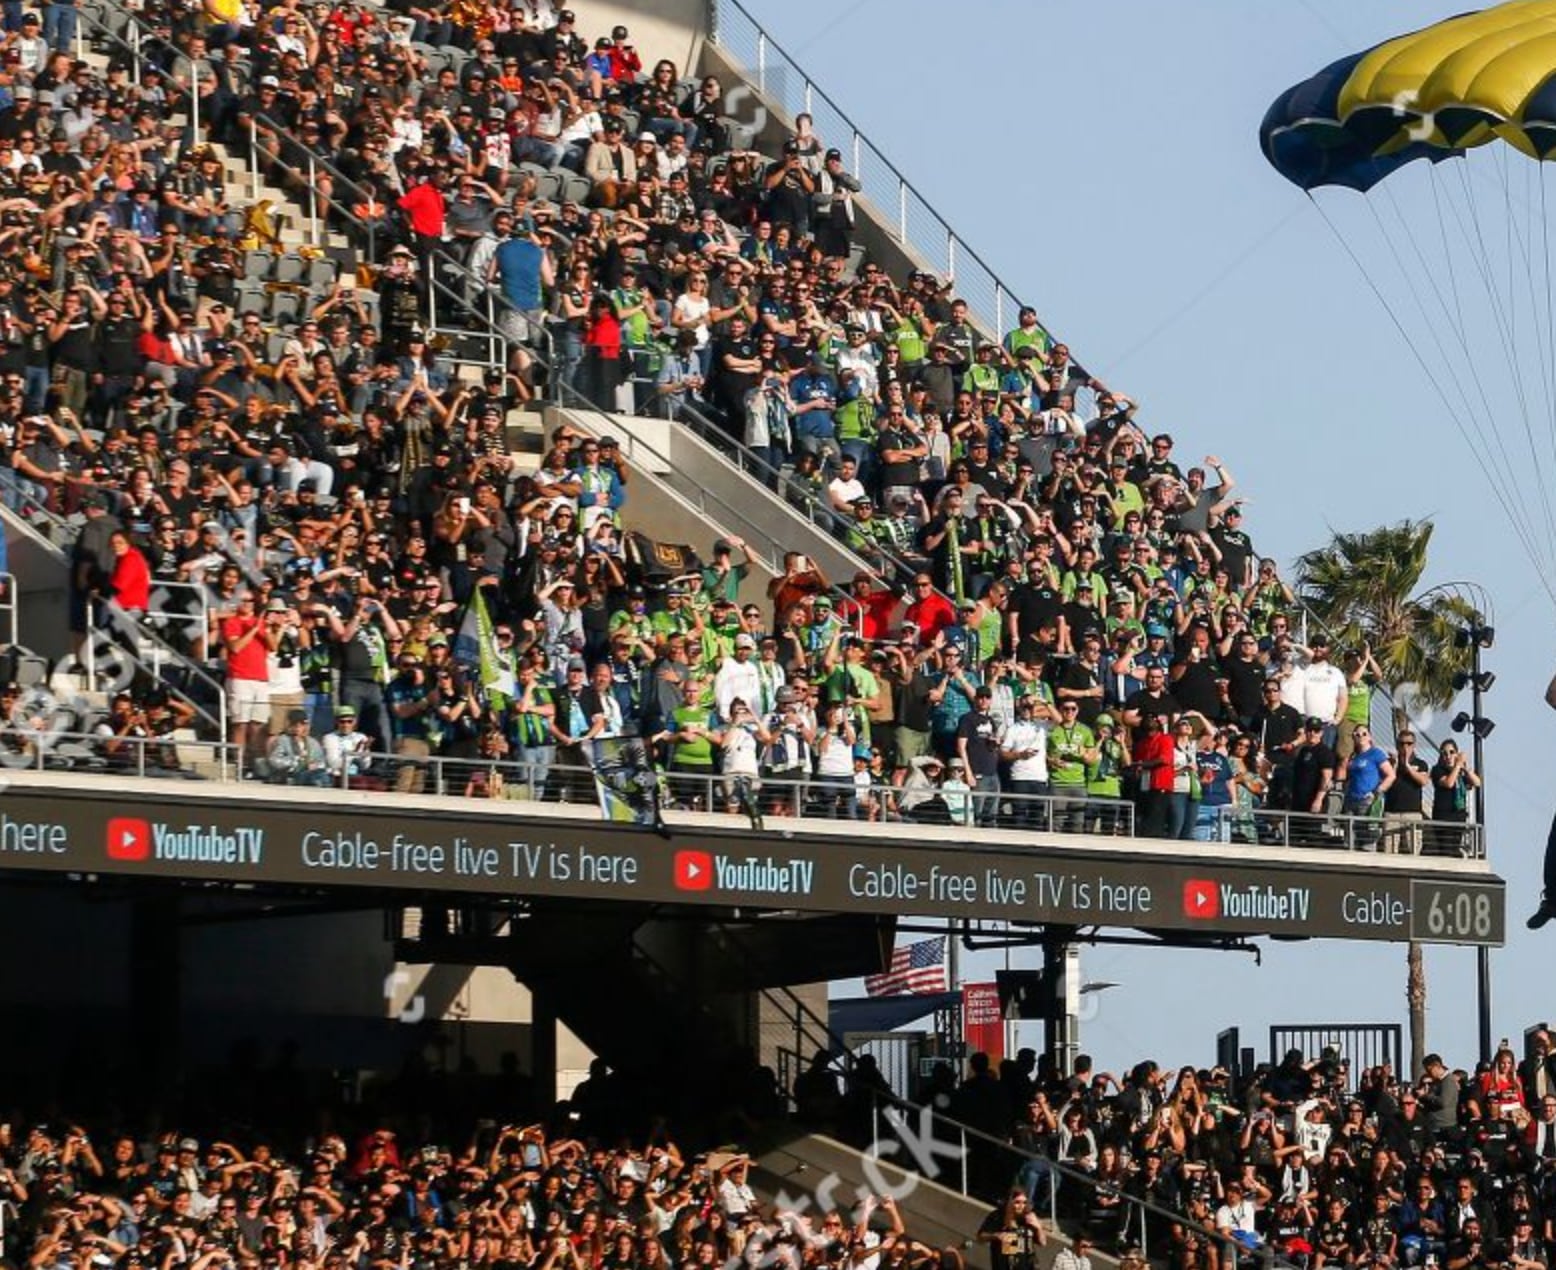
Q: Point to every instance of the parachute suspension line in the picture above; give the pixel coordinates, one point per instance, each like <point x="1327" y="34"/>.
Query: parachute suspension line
<point x="1539" y="254"/>
<point x="1516" y="236"/>
<point x="1550" y="308"/>
<point x="1493" y="449"/>
<point x="1488" y="277"/>
<point x="1500" y="474"/>
<point x="1486" y="446"/>
<point x="1518" y="528"/>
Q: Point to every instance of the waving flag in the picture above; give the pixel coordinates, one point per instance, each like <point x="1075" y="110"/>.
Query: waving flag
<point x="918" y="968"/>
<point x="476" y="645"/>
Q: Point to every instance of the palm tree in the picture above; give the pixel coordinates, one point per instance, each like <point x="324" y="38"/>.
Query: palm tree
<point x="1362" y="589"/>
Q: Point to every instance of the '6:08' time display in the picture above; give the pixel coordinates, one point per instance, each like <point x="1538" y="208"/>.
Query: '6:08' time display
<point x="1456" y="912"/>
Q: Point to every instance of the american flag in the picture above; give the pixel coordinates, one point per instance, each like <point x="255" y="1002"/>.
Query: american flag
<point x="917" y="968"/>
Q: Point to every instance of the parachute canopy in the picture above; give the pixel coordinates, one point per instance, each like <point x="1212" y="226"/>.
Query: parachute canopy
<point x="1458" y="249"/>
<point x="1469" y="81"/>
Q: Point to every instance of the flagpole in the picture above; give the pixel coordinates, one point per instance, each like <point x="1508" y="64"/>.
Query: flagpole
<point x="953" y="955"/>
<point x="954" y="982"/>
<point x="1011" y="1035"/>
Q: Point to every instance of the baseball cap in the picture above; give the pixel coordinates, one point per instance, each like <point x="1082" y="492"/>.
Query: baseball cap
<point x="744" y="641"/>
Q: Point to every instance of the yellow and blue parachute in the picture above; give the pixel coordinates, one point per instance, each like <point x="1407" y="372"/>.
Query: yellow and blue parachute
<point x="1468" y="81"/>
<point x="1462" y="254"/>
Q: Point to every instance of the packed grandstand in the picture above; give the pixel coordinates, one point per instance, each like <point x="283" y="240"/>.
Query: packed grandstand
<point x="1305" y="1163"/>
<point x="1055" y="626"/>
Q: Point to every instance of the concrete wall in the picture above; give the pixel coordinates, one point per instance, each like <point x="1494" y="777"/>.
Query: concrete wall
<point x="832" y="1174"/>
<point x="42" y="585"/>
<point x="681" y="489"/>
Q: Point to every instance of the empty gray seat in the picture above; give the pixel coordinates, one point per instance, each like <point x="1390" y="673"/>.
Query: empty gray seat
<point x="291" y="268"/>
<point x="549" y="185"/>
<point x="285" y="306"/>
<point x="258" y="264"/>
<point x="575" y="188"/>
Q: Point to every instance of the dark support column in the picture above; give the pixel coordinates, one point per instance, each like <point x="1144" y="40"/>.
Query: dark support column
<point x="542" y="1054"/>
<point x="156" y="990"/>
<point x="1061" y="978"/>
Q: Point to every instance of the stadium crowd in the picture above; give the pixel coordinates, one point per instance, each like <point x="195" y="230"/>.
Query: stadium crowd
<point x="1305" y="1163"/>
<point x="1056" y="618"/>
<point x="505" y="1197"/>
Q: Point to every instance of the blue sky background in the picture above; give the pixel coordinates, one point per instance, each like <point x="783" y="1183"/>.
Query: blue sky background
<point x="1104" y="160"/>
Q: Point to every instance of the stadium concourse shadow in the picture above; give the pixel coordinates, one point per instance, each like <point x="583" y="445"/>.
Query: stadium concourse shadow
<point x="674" y="1002"/>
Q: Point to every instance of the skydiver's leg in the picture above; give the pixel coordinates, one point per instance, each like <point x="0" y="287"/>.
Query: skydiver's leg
<point x="1547" y="909"/>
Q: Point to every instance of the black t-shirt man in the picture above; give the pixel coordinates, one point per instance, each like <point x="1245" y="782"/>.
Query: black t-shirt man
<point x="1153" y="699"/>
<point x="734" y="384"/>
<point x="1194" y="683"/>
<point x="1245" y="676"/>
<point x="1312" y="770"/>
<point x="1277" y="726"/>
<point x="1036" y="605"/>
<point x="1404" y="796"/>
<point x="981" y="734"/>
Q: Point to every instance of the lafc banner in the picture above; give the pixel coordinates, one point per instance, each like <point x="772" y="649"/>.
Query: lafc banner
<point x="474" y="848"/>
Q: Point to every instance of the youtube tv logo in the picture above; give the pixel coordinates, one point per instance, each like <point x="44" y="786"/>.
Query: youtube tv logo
<point x="693" y="870"/>
<point x="1201" y="899"/>
<point x="128" y="838"/>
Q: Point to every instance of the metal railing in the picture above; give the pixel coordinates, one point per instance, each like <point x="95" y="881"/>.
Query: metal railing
<point x="10" y="604"/>
<point x="1074" y="1200"/>
<point x="1360" y="1045"/>
<point x="39" y="744"/>
<point x="130" y="636"/>
<point x="788" y="799"/>
<point x="160" y="617"/>
<point x="920" y="229"/>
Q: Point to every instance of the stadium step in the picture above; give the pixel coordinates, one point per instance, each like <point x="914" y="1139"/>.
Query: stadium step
<point x="836" y="1173"/>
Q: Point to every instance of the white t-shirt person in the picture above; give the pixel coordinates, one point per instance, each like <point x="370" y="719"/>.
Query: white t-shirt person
<point x="1238" y="1214"/>
<point x="1026" y="736"/>
<point x="1325" y="692"/>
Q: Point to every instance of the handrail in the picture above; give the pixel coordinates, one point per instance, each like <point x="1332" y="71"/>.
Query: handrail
<point x="1030" y="814"/>
<point x="743" y="457"/>
<point x="133" y="23"/>
<point x="597" y="422"/>
<point x="10" y="604"/>
<point x="902" y="1117"/>
<point x="134" y="632"/>
<point x="988" y="299"/>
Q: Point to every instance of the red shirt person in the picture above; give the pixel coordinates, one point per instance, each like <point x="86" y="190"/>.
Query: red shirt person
<point x="867" y="610"/>
<point x="130" y="580"/>
<point x="247" y="639"/>
<point x="928" y="611"/>
<point x="426" y="208"/>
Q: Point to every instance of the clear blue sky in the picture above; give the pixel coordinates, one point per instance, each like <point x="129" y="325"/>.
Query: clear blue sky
<point x="1104" y="160"/>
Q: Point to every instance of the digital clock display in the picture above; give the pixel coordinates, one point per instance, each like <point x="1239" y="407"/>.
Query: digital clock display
<point x="1451" y="912"/>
